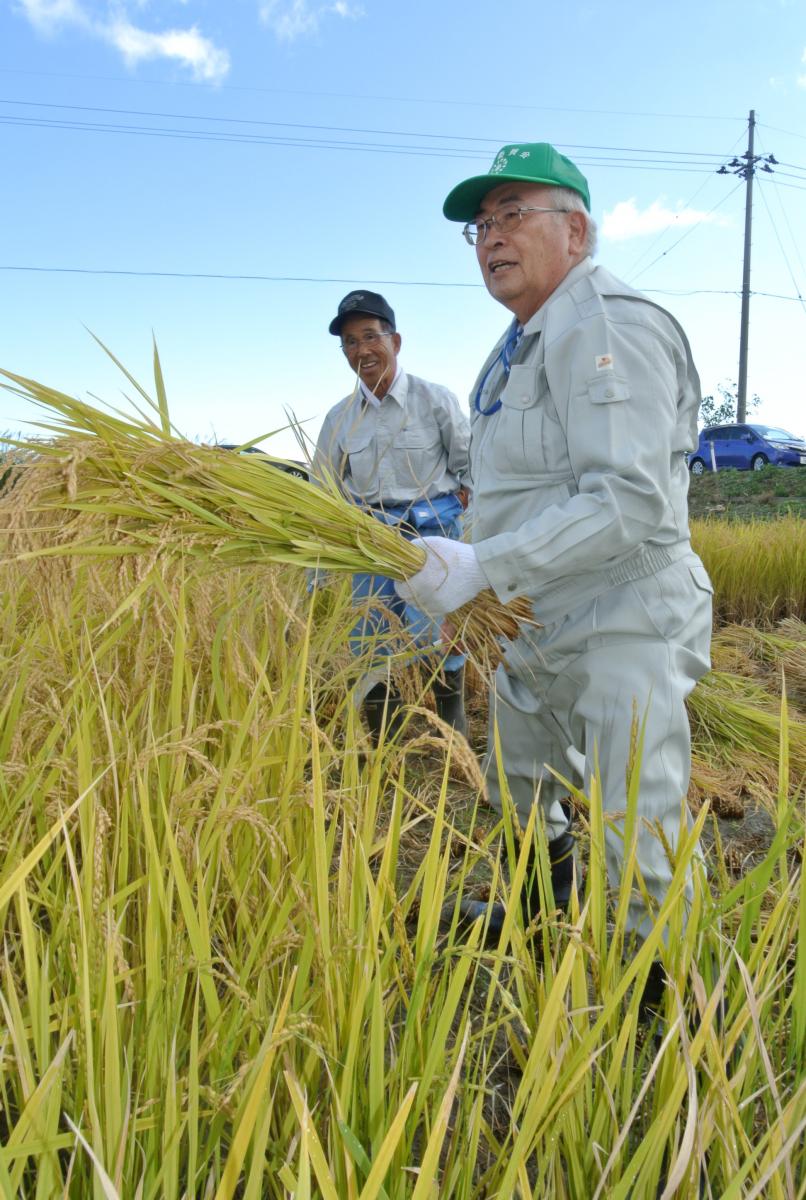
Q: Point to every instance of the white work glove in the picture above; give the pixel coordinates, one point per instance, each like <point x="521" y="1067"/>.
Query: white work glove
<point x="451" y="577"/>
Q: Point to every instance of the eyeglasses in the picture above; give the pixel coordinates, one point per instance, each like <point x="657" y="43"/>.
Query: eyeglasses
<point x="505" y="221"/>
<point x="366" y="341"/>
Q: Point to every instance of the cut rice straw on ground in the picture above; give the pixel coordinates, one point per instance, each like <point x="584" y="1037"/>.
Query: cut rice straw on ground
<point x="108" y="484"/>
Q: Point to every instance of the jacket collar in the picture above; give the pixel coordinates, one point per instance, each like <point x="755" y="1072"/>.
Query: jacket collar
<point x="397" y="392"/>
<point x="536" y="322"/>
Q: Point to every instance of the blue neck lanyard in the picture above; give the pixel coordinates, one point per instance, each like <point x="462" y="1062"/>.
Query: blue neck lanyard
<point x="505" y="358"/>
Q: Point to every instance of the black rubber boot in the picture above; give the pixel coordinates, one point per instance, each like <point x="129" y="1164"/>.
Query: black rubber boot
<point x="650" y="1006"/>
<point x="382" y="710"/>
<point x="561" y="860"/>
<point x="449" y="694"/>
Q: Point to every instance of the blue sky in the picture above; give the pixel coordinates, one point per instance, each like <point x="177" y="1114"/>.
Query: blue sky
<point x="312" y="144"/>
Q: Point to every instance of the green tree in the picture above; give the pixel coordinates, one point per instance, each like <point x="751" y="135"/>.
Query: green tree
<point x="721" y="409"/>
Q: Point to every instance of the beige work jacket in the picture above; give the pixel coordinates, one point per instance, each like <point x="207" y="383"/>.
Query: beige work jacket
<point x="580" y="479"/>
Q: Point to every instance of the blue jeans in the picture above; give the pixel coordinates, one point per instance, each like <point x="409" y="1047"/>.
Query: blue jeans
<point x="368" y="632"/>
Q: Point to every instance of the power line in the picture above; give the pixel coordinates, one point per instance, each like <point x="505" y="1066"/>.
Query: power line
<point x="682" y="165"/>
<point x="791" y="234"/>
<point x="794" y="186"/>
<point x="788" y="132"/>
<point x="690" y="229"/>
<point x="720" y="292"/>
<point x="237" y="277"/>
<point x="786" y="257"/>
<point x="314" y="144"/>
<point x="134" y="112"/>
<point x="216" y="275"/>
<point x="240" y="139"/>
<point x="485" y="104"/>
<point x="778" y="296"/>
<point x="789" y="228"/>
<point x="676" y="217"/>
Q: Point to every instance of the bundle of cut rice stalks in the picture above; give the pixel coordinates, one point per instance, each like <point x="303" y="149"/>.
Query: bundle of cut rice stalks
<point x="737" y="722"/>
<point x="107" y="484"/>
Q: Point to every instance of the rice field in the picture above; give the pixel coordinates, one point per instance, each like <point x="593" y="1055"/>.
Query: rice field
<point x="222" y="973"/>
<point x="758" y="568"/>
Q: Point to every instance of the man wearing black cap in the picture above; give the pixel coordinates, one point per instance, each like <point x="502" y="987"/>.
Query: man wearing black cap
<point x="582" y="417"/>
<point x="398" y="446"/>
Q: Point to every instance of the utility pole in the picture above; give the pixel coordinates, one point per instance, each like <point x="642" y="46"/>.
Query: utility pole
<point x="745" y="167"/>
<point x="741" y="399"/>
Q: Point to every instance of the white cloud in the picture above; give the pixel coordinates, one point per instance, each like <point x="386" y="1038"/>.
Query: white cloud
<point x="802" y="78"/>
<point x="626" y="221"/>
<point x="48" y="15"/>
<point x="291" y="19"/>
<point x="187" y="47"/>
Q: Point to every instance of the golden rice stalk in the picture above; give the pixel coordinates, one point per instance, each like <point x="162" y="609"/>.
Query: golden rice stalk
<point x="108" y="484"/>
<point x="758" y="568"/>
<point x="753" y="651"/>
<point x="737" y="720"/>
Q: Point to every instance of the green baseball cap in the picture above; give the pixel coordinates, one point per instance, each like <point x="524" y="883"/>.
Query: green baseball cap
<point x="526" y="162"/>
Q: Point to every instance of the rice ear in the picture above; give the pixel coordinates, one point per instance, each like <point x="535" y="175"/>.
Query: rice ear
<point x="113" y="483"/>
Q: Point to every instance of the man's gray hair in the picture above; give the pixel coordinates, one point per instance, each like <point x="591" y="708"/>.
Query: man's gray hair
<point x="571" y="201"/>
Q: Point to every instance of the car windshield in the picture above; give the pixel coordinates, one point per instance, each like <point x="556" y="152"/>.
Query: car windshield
<point x="774" y="434"/>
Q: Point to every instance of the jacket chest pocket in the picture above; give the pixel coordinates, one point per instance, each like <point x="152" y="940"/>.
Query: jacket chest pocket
<point x="359" y="450"/>
<point x="416" y="437"/>
<point x="526" y="438"/>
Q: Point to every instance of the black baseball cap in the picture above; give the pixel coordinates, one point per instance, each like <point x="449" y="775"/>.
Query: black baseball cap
<point x="371" y="304"/>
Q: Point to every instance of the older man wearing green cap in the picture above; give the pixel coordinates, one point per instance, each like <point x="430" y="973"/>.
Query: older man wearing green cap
<point x="582" y="417"/>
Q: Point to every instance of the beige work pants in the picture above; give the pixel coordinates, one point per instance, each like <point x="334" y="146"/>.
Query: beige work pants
<point x="571" y="690"/>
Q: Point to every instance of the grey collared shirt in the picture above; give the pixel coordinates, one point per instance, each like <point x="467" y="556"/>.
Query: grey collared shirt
<point x="414" y="443"/>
